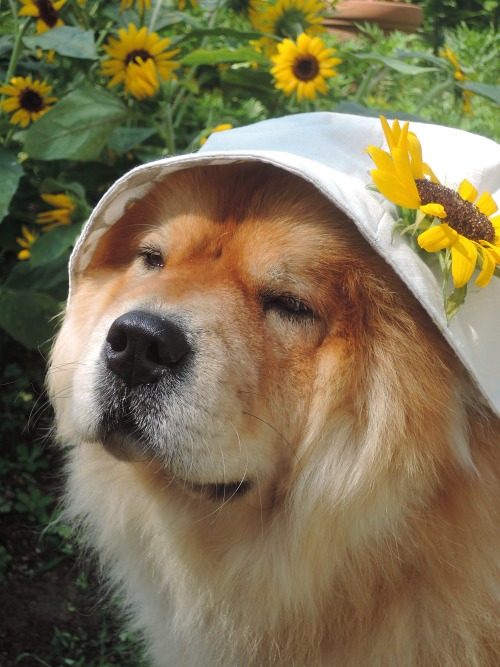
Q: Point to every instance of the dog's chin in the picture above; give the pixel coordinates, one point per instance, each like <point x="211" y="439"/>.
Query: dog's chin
<point x="124" y="446"/>
<point x="129" y="448"/>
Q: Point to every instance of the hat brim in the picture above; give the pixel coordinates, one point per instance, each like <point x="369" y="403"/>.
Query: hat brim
<point x="343" y="176"/>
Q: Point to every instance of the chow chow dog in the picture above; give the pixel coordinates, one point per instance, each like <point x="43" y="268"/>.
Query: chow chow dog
<point x="275" y="452"/>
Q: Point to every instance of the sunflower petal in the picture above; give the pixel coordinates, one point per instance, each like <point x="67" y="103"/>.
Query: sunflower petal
<point x="487" y="270"/>
<point x="437" y="238"/>
<point x="467" y="191"/>
<point x="434" y="210"/>
<point x="463" y="260"/>
<point x="486" y="204"/>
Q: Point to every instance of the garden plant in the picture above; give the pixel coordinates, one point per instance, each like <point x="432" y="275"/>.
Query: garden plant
<point x="91" y="88"/>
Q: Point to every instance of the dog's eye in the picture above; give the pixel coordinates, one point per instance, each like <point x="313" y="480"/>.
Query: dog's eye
<point x="287" y="305"/>
<point x="152" y="258"/>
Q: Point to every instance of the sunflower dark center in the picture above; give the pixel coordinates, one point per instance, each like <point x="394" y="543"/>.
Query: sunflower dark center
<point x="305" y="68"/>
<point x="47" y="12"/>
<point x="463" y="216"/>
<point x="30" y="100"/>
<point x="133" y="56"/>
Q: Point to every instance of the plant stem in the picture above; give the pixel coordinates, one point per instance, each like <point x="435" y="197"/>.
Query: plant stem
<point x="180" y="103"/>
<point x="365" y="84"/>
<point x="435" y="92"/>
<point x="17" y="46"/>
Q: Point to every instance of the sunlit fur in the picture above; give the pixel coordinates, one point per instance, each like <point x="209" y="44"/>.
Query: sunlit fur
<point x="370" y="533"/>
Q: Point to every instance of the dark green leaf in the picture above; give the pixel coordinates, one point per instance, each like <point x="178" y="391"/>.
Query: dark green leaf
<point x="52" y="185"/>
<point x="240" y="35"/>
<point x="454" y="301"/>
<point x="259" y="83"/>
<point x="67" y="41"/>
<point x="124" y="139"/>
<point x="77" y="127"/>
<point x="24" y="277"/>
<point x="28" y="317"/>
<point x="10" y="174"/>
<point x="440" y="62"/>
<point x="395" y="64"/>
<point x="484" y="89"/>
<point x="53" y="244"/>
<point x="216" y="56"/>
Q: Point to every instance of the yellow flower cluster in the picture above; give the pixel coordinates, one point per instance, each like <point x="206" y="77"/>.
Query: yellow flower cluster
<point x="460" y="222"/>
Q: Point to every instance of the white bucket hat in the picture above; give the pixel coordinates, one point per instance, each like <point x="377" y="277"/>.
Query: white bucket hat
<point x="328" y="150"/>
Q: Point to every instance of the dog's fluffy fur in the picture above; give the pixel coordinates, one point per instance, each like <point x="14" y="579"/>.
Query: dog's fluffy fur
<point x="320" y="484"/>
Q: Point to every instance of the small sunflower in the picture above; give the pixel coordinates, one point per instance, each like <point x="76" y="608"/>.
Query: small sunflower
<point x="45" y="11"/>
<point x="128" y="4"/>
<point x="458" y="222"/>
<point x="26" y="241"/>
<point x="303" y="66"/>
<point x="137" y="59"/>
<point x="287" y="19"/>
<point x="28" y="99"/>
<point x="63" y="208"/>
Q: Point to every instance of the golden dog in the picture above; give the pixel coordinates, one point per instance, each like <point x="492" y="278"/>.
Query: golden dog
<point x="273" y="449"/>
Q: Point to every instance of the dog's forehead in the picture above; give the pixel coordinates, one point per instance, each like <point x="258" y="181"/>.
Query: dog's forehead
<point x="329" y="151"/>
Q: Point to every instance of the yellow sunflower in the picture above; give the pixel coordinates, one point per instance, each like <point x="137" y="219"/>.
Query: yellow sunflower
<point x="45" y="11"/>
<point x="137" y="59"/>
<point x="28" y="99"/>
<point x="63" y="208"/>
<point x="459" y="76"/>
<point x="26" y="241"/>
<point x="461" y="220"/>
<point x="128" y="4"/>
<point x="303" y="66"/>
<point x="287" y="18"/>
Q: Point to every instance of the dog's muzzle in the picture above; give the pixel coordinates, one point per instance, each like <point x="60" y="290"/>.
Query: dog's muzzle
<point x="145" y="361"/>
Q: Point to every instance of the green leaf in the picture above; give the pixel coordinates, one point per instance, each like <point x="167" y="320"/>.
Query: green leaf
<point x="10" y="175"/>
<point x="24" y="277"/>
<point x="395" y="64"/>
<point x="231" y="33"/>
<point x="253" y="82"/>
<point x="66" y="41"/>
<point x="440" y="62"/>
<point x="454" y="301"/>
<point x="28" y="317"/>
<point x="77" y="127"/>
<point x="52" y="185"/>
<point x="216" y="56"/>
<point x="484" y="89"/>
<point x="53" y="244"/>
<point x="124" y="139"/>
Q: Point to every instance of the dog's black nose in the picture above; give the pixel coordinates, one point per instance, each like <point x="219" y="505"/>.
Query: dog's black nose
<point x="141" y="347"/>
